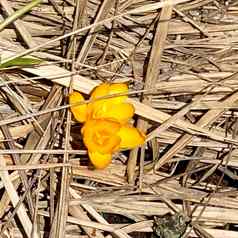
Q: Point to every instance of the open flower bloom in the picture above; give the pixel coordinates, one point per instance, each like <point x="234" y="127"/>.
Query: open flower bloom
<point x="106" y="129"/>
<point x="103" y="137"/>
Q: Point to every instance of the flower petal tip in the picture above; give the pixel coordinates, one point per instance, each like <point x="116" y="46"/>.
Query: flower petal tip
<point x="131" y="137"/>
<point x="100" y="161"/>
<point x="80" y="111"/>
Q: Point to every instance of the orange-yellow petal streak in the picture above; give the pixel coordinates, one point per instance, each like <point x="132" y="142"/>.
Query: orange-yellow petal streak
<point x="79" y="112"/>
<point x="131" y="137"/>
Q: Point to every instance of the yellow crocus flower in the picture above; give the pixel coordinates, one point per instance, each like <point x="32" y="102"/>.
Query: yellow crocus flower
<point x="106" y="129"/>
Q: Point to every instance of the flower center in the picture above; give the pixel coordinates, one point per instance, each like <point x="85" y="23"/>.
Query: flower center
<point x="101" y="137"/>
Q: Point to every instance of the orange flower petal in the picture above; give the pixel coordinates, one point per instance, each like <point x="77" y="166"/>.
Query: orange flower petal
<point x="121" y="113"/>
<point x="101" y="136"/>
<point x="118" y="88"/>
<point x="79" y="112"/>
<point x="100" y="161"/>
<point x="131" y="137"/>
<point x="94" y="107"/>
<point x="100" y="91"/>
<point x="105" y="89"/>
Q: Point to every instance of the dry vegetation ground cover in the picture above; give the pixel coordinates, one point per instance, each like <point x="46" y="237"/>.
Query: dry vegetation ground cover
<point x="179" y="58"/>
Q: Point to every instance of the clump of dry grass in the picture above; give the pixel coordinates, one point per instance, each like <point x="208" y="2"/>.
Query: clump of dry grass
<point x="179" y="58"/>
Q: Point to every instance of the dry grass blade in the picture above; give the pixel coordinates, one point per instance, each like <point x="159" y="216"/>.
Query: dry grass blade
<point x="26" y="36"/>
<point x="22" y="213"/>
<point x="150" y="79"/>
<point x="150" y="7"/>
<point x="207" y="119"/>
<point x="16" y="159"/>
<point x="92" y="35"/>
<point x="64" y="187"/>
<point x="18" y="14"/>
